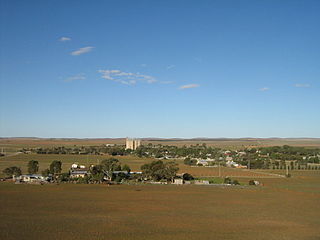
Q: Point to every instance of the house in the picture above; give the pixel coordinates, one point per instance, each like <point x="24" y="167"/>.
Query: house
<point x="30" y="178"/>
<point x="231" y="163"/>
<point x="201" y="182"/>
<point x="178" y="181"/>
<point x="78" y="171"/>
<point x="110" y="145"/>
<point x="109" y="175"/>
<point x="202" y="162"/>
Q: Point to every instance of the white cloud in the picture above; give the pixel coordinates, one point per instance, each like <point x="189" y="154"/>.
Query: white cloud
<point x="143" y="65"/>
<point x="126" y="78"/>
<point x="64" y="39"/>
<point x="264" y="89"/>
<point x="189" y="86"/>
<point x="79" y="76"/>
<point x="302" y="85"/>
<point x="170" y="66"/>
<point x="81" y="51"/>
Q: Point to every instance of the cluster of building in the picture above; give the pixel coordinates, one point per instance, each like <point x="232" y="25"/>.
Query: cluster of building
<point x="31" y="178"/>
<point x="180" y="181"/>
<point x="212" y="162"/>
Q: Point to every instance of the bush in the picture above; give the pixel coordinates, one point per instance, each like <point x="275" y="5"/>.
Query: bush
<point x="187" y="177"/>
<point x="83" y="180"/>
<point x="189" y="161"/>
<point x="64" y="177"/>
<point x="235" y="182"/>
<point x="227" y="180"/>
<point x="251" y="182"/>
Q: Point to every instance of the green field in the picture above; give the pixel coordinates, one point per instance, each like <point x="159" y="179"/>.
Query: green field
<point x="282" y="209"/>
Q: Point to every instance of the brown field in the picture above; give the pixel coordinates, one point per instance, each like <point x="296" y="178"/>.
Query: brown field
<point x="283" y="209"/>
<point x="14" y="144"/>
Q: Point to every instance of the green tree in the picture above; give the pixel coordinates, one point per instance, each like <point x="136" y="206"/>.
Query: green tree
<point x="33" y="167"/>
<point x="187" y="177"/>
<point x="96" y="169"/>
<point x="171" y="169"/>
<point x="110" y="164"/>
<point x="126" y="167"/>
<point x="55" y="167"/>
<point x="12" y="171"/>
<point x="158" y="170"/>
<point x="45" y="172"/>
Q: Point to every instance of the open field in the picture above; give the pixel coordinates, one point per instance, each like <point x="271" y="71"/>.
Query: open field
<point x="11" y="145"/>
<point x="135" y="163"/>
<point x="283" y="209"/>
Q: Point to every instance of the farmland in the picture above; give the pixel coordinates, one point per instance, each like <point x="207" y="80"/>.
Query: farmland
<point x="282" y="209"/>
<point x="14" y="144"/>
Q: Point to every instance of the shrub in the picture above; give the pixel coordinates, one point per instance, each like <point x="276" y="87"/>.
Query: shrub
<point x="187" y="177"/>
<point x="251" y="182"/>
<point x="235" y="182"/>
<point x="227" y="180"/>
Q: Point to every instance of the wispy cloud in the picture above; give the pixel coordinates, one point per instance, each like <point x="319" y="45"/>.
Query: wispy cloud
<point x="127" y="78"/>
<point x="302" y="85"/>
<point x="81" y="51"/>
<point x="170" y="66"/>
<point x="143" y="65"/>
<point x="189" y="86"/>
<point x="264" y="89"/>
<point x="64" y="39"/>
<point x="80" y="76"/>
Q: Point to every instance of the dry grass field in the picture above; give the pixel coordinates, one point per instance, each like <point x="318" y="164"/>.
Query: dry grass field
<point x="286" y="209"/>
<point x="14" y="144"/>
<point x="281" y="209"/>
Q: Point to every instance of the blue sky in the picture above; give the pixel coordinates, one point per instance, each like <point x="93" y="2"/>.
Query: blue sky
<point x="160" y="68"/>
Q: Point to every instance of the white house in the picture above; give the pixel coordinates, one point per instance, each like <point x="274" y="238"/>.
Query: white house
<point x="30" y="178"/>
<point x="178" y="181"/>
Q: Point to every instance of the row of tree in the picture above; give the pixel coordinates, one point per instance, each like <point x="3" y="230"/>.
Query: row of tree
<point x="33" y="168"/>
<point x="82" y="150"/>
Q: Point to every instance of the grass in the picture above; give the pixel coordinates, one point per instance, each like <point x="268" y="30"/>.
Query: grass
<point x="282" y="209"/>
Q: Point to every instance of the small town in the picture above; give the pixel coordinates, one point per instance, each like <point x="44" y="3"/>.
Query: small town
<point x="160" y="120"/>
<point x="164" y="169"/>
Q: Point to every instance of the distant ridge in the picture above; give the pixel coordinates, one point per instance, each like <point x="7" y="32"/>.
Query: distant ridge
<point x="169" y="139"/>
